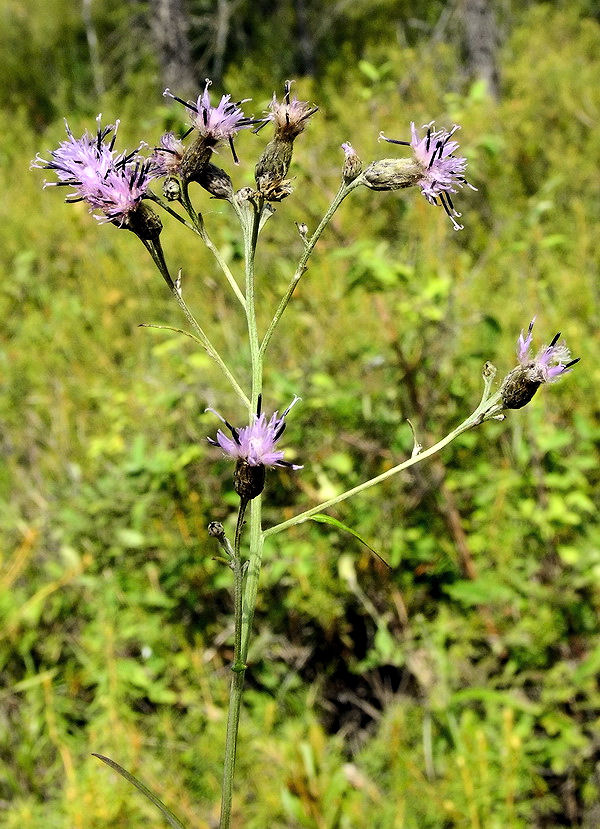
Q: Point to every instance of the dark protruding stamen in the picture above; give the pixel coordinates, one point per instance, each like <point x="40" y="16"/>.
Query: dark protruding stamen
<point x="530" y="329"/>
<point x="259" y="405"/>
<point x="449" y="200"/>
<point x="554" y="340"/>
<point x="428" y="144"/>
<point x="185" y="134"/>
<point x="444" y="205"/>
<point x="280" y="431"/>
<point x="233" y="152"/>
<point x="234" y="432"/>
<point x="186" y="103"/>
<point x="205" y="116"/>
<point x="212" y="442"/>
<point x="262" y="123"/>
<point x="433" y="154"/>
<point x="572" y="363"/>
<point x="311" y="112"/>
<point x="395" y="141"/>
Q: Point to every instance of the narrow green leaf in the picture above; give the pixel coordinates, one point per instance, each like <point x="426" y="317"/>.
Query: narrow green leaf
<point x="320" y="518"/>
<point x="171" y="819"/>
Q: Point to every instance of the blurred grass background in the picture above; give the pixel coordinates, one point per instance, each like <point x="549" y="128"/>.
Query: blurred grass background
<point x="459" y="690"/>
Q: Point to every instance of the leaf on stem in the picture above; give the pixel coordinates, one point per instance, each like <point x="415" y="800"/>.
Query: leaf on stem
<point x="320" y="518"/>
<point x="170" y="817"/>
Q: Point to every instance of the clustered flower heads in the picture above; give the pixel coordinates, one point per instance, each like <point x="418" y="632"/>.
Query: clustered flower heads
<point x="110" y="182"/>
<point x="549" y="365"/>
<point x="254" y="448"/>
<point x="433" y="167"/>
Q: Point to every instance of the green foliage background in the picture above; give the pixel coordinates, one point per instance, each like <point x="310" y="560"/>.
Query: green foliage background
<point x="461" y="689"/>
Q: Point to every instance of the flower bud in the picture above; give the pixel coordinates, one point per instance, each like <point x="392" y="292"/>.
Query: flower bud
<point x="216" y="529"/>
<point x="216" y="182"/>
<point x="144" y="222"/>
<point x="248" y="479"/>
<point x="172" y="189"/>
<point x="392" y="173"/>
<point x="352" y="164"/>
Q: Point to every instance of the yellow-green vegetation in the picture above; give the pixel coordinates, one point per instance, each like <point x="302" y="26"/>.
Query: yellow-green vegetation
<point x="458" y="690"/>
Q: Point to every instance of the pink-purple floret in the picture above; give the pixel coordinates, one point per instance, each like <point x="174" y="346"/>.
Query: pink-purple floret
<point x="256" y="443"/>
<point x="442" y="170"/>
<point x="552" y="361"/>
<point x="114" y="183"/>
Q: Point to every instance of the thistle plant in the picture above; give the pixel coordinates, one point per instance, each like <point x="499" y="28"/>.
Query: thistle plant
<point x="127" y="189"/>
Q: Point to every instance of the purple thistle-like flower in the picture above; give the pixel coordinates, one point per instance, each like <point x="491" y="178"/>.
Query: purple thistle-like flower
<point x="114" y="183"/>
<point x="289" y="116"/>
<point x="441" y="171"/>
<point x="220" y="123"/>
<point x="255" y="444"/>
<point x="551" y="362"/>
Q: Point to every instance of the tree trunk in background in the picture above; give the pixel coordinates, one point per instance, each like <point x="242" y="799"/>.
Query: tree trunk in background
<point x="169" y="23"/>
<point x="305" y="40"/>
<point x="92" y="39"/>
<point x="481" y="41"/>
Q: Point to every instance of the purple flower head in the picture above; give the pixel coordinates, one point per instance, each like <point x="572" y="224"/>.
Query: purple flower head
<point x="166" y="158"/>
<point x="114" y="183"/>
<point x="551" y="362"/>
<point x="290" y="115"/>
<point x="215" y="124"/>
<point x="79" y="161"/>
<point x="441" y="170"/>
<point x="256" y="443"/>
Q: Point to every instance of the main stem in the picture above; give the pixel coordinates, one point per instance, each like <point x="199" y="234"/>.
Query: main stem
<point x="243" y="621"/>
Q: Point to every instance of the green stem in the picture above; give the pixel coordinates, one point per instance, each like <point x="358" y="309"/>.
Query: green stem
<point x="247" y="602"/>
<point x="344" y="190"/>
<point x="155" y="250"/>
<point x="238" y="590"/>
<point x="237" y="681"/>
<point x="253" y="576"/>
<point x="198" y="227"/>
<point x="487" y="408"/>
<point x="233" y="720"/>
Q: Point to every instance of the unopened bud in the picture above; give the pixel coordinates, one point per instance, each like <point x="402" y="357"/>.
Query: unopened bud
<point x="216" y="182"/>
<point x="216" y="529"/>
<point x="248" y="480"/>
<point x="171" y="189"/>
<point x="393" y="173"/>
<point x="352" y="165"/>
<point x="144" y="222"/>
